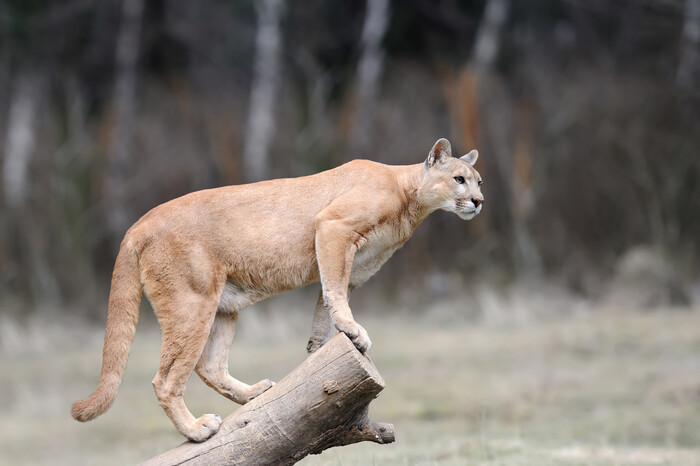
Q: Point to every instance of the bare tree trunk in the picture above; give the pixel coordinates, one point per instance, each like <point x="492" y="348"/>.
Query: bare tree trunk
<point x="261" y="115"/>
<point x="19" y="142"/>
<point x="475" y="107"/>
<point x="528" y="262"/>
<point x="321" y="404"/>
<point x="27" y="242"/>
<point x="512" y="159"/>
<point x="688" y="73"/>
<point x="127" y="55"/>
<point x="486" y="46"/>
<point x="368" y="73"/>
<point x="488" y="37"/>
<point x="315" y="133"/>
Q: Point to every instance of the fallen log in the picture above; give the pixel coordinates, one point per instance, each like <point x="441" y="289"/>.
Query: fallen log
<point x="321" y="404"/>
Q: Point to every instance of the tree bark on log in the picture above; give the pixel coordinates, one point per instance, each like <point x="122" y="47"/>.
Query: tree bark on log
<point x="323" y="403"/>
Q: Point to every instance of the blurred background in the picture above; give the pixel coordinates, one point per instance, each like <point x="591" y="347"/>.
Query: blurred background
<point x="583" y="264"/>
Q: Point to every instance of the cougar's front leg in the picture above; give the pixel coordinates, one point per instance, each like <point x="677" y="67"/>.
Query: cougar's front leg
<point x="321" y="329"/>
<point x="336" y="243"/>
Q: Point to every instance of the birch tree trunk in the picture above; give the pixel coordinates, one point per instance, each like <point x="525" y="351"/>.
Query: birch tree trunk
<point x="19" y="140"/>
<point x="688" y="73"/>
<point x="27" y="238"/>
<point x="486" y="46"/>
<point x="127" y="56"/>
<point x="513" y="158"/>
<point x="488" y="36"/>
<point x="480" y="80"/>
<point x="261" y="115"/>
<point x="369" y="72"/>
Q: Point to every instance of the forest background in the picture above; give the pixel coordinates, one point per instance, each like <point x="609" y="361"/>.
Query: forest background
<point x="586" y="115"/>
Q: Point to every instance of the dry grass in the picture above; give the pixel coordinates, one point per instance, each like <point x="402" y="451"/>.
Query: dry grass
<point x="605" y="387"/>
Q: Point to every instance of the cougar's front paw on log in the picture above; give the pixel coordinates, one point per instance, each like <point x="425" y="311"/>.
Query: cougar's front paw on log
<point x="357" y="334"/>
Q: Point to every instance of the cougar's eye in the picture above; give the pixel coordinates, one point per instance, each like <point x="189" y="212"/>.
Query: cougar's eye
<point x="480" y="182"/>
<point x="459" y="179"/>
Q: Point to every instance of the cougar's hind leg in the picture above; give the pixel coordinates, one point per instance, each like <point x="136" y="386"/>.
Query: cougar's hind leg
<point x="322" y="327"/>
<point x="213" y="364"/>
<point x="186" y="320"/>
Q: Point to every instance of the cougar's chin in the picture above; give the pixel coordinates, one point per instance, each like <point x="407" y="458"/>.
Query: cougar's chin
<point x="469" y="214"/>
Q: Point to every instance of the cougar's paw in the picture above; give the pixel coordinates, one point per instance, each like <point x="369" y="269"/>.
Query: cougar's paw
<point x="313" y="345"/>
<point x="259" y="388"/>
<point x="357" y="334"/>
<point x="362" y="341"/>
<point x="204" y="427"/>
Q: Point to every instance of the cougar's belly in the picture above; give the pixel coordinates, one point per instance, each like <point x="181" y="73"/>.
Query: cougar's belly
<point x="248" y="287"/>
<point x="234" y="298"/>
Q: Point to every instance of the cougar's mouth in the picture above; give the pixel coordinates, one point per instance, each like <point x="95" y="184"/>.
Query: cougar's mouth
<point x="466" y="210"/>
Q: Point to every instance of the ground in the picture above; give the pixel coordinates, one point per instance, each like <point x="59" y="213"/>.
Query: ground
<point x="603" y="386"/>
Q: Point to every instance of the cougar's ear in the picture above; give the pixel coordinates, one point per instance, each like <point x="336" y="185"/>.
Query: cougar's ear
<point x="440" y="152"/>
<point x="471" y="157"/>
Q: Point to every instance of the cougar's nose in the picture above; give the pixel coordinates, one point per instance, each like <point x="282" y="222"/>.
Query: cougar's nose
<point x="477" y="202"/>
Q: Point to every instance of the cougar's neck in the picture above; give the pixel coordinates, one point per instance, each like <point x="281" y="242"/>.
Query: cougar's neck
<point x="409" y="178"/>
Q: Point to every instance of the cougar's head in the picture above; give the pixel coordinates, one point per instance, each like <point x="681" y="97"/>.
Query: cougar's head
<point x="451" y="183"/>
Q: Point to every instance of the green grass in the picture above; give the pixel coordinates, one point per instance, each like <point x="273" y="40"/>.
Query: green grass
<point x="604" y="387"/>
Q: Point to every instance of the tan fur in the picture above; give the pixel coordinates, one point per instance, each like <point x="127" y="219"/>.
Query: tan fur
<point x="203" y="257"/>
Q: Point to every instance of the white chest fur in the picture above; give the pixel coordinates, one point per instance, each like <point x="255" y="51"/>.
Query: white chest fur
<point x="372" y="255"/>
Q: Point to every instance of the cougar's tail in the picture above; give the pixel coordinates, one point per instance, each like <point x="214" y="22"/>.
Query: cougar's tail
<point x="122" y="316"/>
